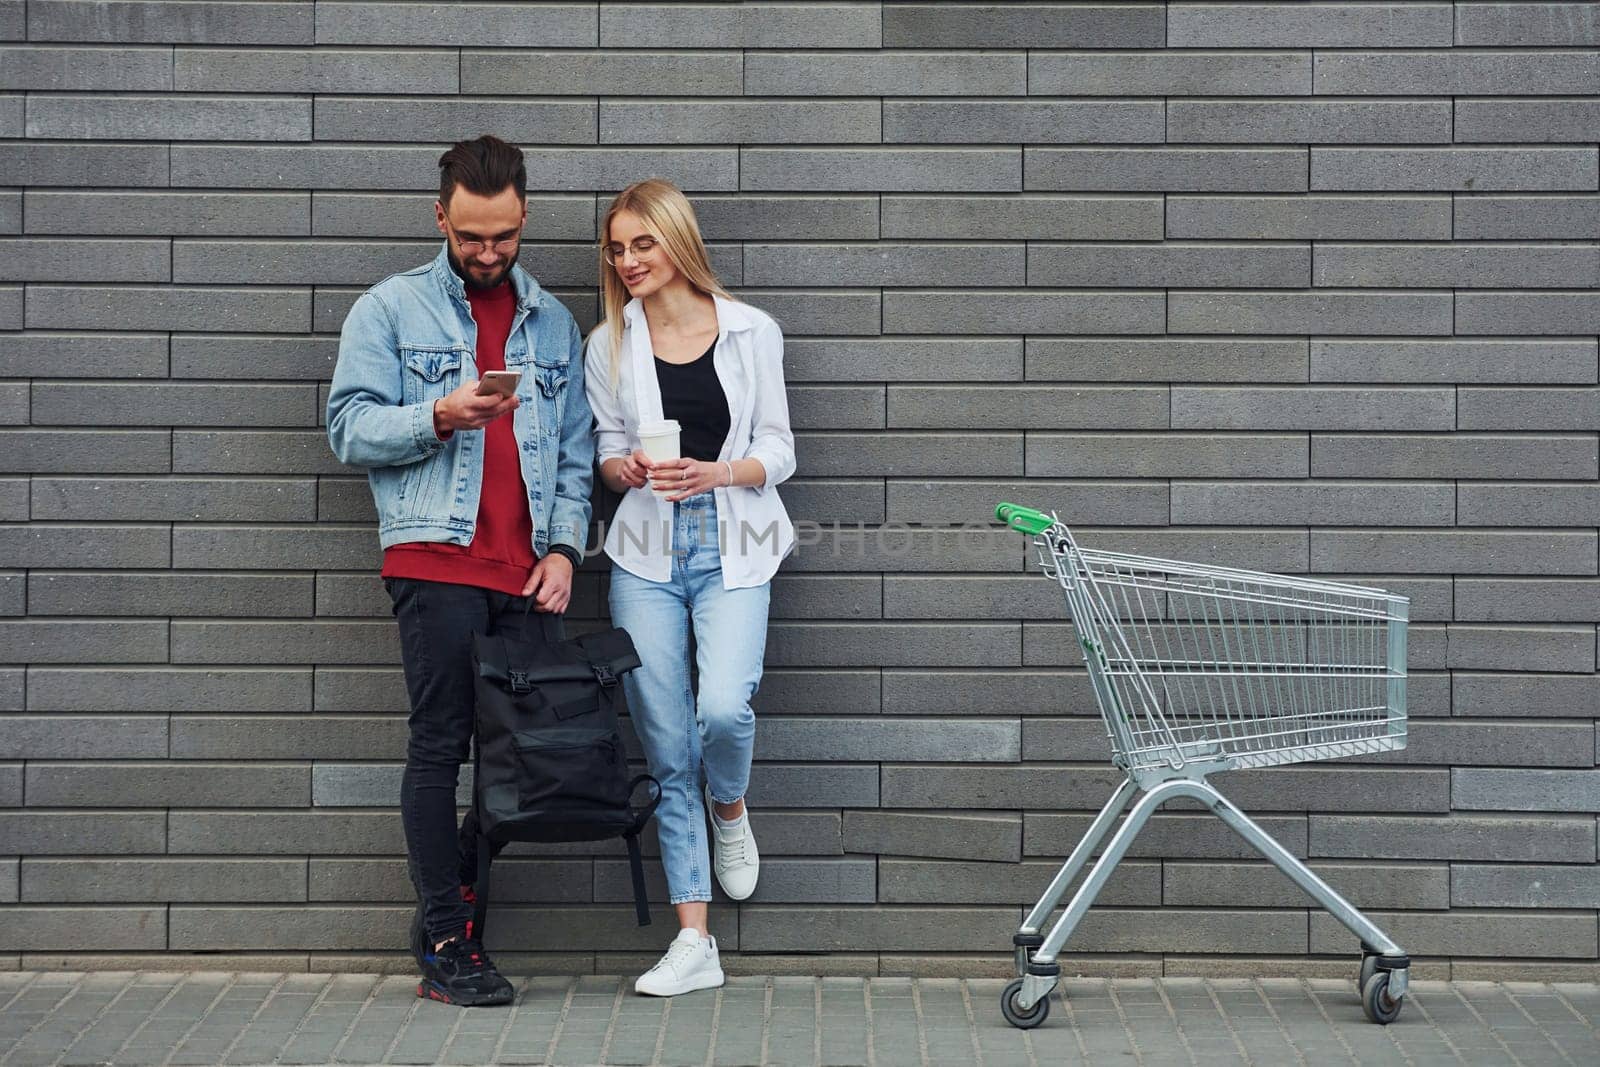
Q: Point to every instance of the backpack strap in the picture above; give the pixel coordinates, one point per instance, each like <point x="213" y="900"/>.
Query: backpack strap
<point x="641" y="816"/>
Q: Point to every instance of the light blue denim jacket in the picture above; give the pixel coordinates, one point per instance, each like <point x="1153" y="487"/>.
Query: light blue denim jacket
<point x="408" y="341"/>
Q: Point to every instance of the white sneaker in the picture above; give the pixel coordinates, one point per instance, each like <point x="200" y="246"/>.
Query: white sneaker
<point x="736" y="861"/>
<point x="691" y="963"/>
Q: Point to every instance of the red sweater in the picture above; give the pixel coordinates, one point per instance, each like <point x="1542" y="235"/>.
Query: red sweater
<point x="501" y="553"/>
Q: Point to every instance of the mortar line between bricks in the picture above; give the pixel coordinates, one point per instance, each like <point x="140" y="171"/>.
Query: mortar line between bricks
<point x="399" y="1029"/>
<point x="866" y="1005"/>
<point x="1122" y="1017"/>
<point x="151" y="1014"/>
<point x="611" y="1026"/>
<point x="661" y="1033"/>
<point x="1322" y="1010"/>
<point x="90" y="1024"/>
<point x="1569" y="1006"/>
<point x="816" y="1008"/>
<point x="1222" y="1013"/>
<point x="322" y="995"/>
<point x="766" y="1021"/>
<point x="1516" y="1003"/>
<point x="922" y="1032"/>
<point x="455" y="1028"/>
<point x="23" y="1037"/>
<point x="716" y="1022"/>
<point x="1177" y="1026"/>
<point x="561" y="1021"/>
<point x="1444" y="1035"/>
<point x="511" y="1020"/>
<point x="355" y="1020"/>
<point x="1456" y="992"/>
<point x="972" y="1021"/>
<point x="227" y="987"/>
<point x="1072" y="1020"/>
<point x="1266" y="1002"/>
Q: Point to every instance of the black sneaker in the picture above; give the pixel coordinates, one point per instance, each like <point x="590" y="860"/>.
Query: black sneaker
<point x="460" y="972"/>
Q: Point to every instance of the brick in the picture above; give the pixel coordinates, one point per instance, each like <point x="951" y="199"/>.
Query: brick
<point x="165" y="689"/>
<point x="1032" y="407"/>
<point x="948" y="835"/>
<point x="1488" y="885"/>
<point x="11" y="212"/>
<point x="839" y="312"/>
<point x="1520" y="121"/>
<point x="747" y="217"/>
<point x="903" y="881"/>
<point x="1032" y="121"/>
<point x="605" y="927"/>
<point x="1527" y="24"/>
<point x="890" y="547"/>
<point x="883" y="644"/>
<point x="46" y="928"/>
<point x="1550" y="839"/>
<point x="1308" y="122"/>
<point x="903" y="359"/>
<point x="831" y="880"/>
<point x="1170" y="265"/>
<point x="757" y="25"/>
<point x="1458" y="456"/>
<point x="1314" y="503"/>
<point x="1033" y="786"/>
<point x="368" y="785"/>
<point x="1525" y="695"/>
<point x="1309" y="25"/>
<point x="1168" y="73"/>
<point x="276" y="548"/>
<point x="566" y="25"/>
<point x="358" y="689"/>
<point x="71" y="355"/>
<point x="834" y="500"/>
<point x="1003" y="692"/>
<point x="769" y="929"/>
<point x="1465" y="933"/>
<point x="805" y="785"/>
<point x="285" y="642"/>
<point x="1031" y="311"/>
<point x="550" y="218"/>
<point x="1443" y="552"/>
<point x="1165" y="359"/>
<point x="110" y="881"/>
<point x="283" y="70"/>
<point x="1495" y="789"/>
<point x="13" y="20"/>
<point x="593" y="73"/>
<point x="1257" y="885"/>
<point x="959" y="502"/>
<point x="818" y="692"/>
<point x="1530" y="313"/>
<point x="1455" y="169"/>
<point x="1316" y="311"/>
<point x="1023" y="217"/>
<point x="12" y="681"/>
<point x="80" y="259"/>
<point x="169" y="118"/>
<point x="345" y="500"/>
<point x="274" y="262"/>
<point x="126" y="21"/>
<point x="1077" y="738"/>
<point x="884" y="264"/>
<point x="775" y="121"/>
<point x="1527" y="217"/>
<point x="14" y="499"/>
<point x="1447" y="265"/>
<point x="834" y="739"/>
<point x="45" y="164"/>
<point x="288" y="737"/>
<point x="512" y="881"/>
<point x="917" y="73"/>
<point x="174" y="499"/>
<point x="1310" y="217"/>
<point x="11" y="306"/>
<point x="172" y="308"/>
<point x="930" y="170"/>
<point x="56" y="641"/>
<point x="1463" y="361"/>
<point x="1527" y="599"/>
<point x="904" y="454"/>
<point x="45" y="68"/>
<point x="411" y="119"/>
<point x="287" y="833"/>
<point x="1542" y="504"/>
<point x="154" y="785"/>
<point x="1529" y="409"/>
<point x="1314" y="408"/>
<point x="8" y="880"/>
<point x="1167" y="456"/>
<point x="82" y="737"/>
<point x="1023" y="26"/>
<point x="1338" y="788"/>
<point x="166" y="593"/>
<point x="1165" y="169"/>
<point x="799" y="596"/>
<point x="87" y="403"/>
<point x="252" y="451"/>
<point x="1456" y="73"/>
<point x="104" y="833"/>
<point x="1493" y="744"/>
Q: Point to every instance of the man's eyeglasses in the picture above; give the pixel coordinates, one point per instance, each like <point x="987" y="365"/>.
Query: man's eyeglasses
<point x="640" y="246"/>
<point x="472" y="246"/>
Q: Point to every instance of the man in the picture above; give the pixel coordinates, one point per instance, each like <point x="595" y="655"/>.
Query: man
<point x="483" y="504"/>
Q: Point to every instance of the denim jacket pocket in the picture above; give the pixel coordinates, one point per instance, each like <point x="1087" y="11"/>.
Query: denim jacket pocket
<point x="430" y="371"/>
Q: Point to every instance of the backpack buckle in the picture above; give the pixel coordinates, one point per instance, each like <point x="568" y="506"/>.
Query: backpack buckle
<point x="602" y="673"/>
<point x="520" y="682"/>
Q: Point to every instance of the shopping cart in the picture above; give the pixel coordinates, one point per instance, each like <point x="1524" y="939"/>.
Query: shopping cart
<point x="1199" y="669"/>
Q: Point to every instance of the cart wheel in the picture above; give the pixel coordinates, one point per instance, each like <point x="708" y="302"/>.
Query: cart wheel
<point x="1369" y="967"/>
<point x="1380" y="1007"/>
<point x="1014" y="1015"/>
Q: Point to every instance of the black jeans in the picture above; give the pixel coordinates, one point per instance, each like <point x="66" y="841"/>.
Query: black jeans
<point x="437" y="622"/>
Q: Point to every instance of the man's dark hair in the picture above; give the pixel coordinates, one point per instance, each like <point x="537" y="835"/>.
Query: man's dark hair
<point x="484" y="166"/>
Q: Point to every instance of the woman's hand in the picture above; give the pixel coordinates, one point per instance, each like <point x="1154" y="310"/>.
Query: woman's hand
<point x="686" y="477"/>
<point x="632" y="470"/>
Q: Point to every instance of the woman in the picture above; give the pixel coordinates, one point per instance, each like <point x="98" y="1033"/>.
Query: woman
<point x="696" y="539"/>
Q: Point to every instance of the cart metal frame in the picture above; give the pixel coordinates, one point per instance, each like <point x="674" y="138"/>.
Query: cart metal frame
<point x="1199" y="669"/>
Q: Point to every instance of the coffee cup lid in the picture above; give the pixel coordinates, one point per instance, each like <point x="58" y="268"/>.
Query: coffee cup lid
<point x="663" y="426"/>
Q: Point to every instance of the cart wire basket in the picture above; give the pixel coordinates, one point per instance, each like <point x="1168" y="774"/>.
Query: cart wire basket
<point x="1199" y="669"/>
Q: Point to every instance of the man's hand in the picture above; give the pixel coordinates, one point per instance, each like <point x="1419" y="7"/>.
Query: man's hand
<point x="550" y="583"/>
<point x="464" y="409"/>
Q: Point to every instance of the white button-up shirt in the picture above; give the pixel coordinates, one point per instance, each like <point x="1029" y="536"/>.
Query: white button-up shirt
<point x="756" y="532"/>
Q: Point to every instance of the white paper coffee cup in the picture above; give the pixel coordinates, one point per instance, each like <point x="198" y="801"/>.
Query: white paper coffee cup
<point x="659" y="441"/>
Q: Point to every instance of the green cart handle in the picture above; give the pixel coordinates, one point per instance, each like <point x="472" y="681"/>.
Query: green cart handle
<point x="1025" y="520"/>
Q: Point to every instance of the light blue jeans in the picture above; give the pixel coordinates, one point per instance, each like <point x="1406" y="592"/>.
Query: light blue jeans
<point x="683" y="731"/>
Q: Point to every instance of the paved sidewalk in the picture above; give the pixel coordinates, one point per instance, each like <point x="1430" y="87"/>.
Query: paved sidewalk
<point x="209" y="1018"/>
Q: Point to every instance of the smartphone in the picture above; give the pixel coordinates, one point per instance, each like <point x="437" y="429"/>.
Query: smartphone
<point x="502" y="382"/>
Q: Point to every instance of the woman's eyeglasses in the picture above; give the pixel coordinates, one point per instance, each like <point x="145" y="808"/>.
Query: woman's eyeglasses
<point x="640" y="247"/>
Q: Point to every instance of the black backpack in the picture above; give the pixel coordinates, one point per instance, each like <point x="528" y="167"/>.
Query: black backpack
<point x="550" y="764"/>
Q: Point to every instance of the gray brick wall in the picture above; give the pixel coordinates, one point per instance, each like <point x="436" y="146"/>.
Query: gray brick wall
<point x="1312" y="287"/>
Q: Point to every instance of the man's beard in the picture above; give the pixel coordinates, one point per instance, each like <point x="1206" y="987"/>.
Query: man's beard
<point x="474" y="281"/>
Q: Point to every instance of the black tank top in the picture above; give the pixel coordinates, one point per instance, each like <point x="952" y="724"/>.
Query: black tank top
<point x="692" y="394"/>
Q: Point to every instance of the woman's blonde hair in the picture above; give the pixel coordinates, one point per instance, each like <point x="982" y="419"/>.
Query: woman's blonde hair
<point x="669" y="218"/>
